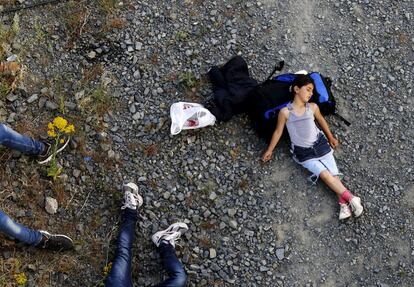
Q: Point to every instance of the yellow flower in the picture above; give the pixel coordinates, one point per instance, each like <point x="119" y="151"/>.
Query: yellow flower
<point x="60" y="123"/>
<point x="69" y="129"/>
<point x="62" y="141"/>
<point x="50" y="126"/>
<point x="107" y="268"/>
<point x="20" y="278"/>
<point x="51" y="133"/>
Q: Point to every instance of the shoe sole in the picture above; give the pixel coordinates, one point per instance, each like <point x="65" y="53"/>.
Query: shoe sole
<point x="176" y="227"/>
<point x="348" y="216"/>
<point x="49" y="158"/>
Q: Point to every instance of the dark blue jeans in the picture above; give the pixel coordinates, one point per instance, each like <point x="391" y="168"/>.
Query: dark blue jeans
<point x="18" y="231"/>
<point x="120" y="274"/>
<point x="22" y="143"/>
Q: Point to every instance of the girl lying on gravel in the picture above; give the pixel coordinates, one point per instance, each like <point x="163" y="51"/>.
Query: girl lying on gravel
<point x="310" y="147"/>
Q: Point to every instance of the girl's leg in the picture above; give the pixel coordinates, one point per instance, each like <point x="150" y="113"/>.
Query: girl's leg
<point x="174" y="268"/>
<point x="327" y="170"/>
<point x="333" y="182"/>
<point x="22" y="143"/>
<point x="18" y="231"/>
<point x="120" y="274"/>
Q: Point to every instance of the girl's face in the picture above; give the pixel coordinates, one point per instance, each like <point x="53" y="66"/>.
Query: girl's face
<point x="304" y="93"/>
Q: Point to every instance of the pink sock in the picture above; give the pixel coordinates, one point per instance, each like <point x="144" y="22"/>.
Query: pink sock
<point x="346" y="196"/>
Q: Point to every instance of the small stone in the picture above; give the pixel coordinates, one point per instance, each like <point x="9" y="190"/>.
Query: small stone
<point x="51" y="205"/>
<point x="32" y="98"/>
<point x="51" y="105"/>
<point x="142" y="178"/>
<point x="136" y="116"/>
<point x="70" y="106"/>
<point x="138" y="46"/>
<point x="76" y="173"/>
<point x="111" y="154"/>
<point x="137" y="74"/>
<point x="213" y="253"/>
<point x="233" y="224"/>
<point x="213" y="196"/>
<point x="280" y="253"/>
<point x="42" y="102"/>
<point x="91" y="55"/>
<point x="132" y="109"/>
<point x="231" y="212"/>
<point x="11" y="97"/>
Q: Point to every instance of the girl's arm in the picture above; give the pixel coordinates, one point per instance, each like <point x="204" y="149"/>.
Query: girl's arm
<point x="281" y="121"/>
<point x="324" y="125"/>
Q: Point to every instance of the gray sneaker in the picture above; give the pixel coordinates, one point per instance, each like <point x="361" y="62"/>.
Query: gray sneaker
<point x="171" y="234"/>
<point x="132" y="199"/>
<point x="47" y="154"/>
<point x="56" y="242"/>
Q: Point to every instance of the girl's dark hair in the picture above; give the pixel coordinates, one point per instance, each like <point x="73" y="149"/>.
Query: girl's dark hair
<point x="300" y="81"/>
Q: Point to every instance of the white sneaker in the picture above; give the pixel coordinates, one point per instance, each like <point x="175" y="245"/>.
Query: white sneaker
<point x="344" y="212"/>
<point x="171" y="234"/>
<point x="132" y="199"/>
<point x="356" y="206"/>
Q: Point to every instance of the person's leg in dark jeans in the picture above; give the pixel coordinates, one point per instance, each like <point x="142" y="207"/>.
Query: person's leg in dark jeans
<point x="120" y="274"/>
<point x="165" y="241"/>
<point x="13" y="140"/>
<point x="27" y="145"/>
<point x="175" y="270"/>
<point x="18" y="231"/>
<point x="37" y="238"/>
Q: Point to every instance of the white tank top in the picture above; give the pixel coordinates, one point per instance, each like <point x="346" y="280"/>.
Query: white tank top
<point x="302" y="129"/>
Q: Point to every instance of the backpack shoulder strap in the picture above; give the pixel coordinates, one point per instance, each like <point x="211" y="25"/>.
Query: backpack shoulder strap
<point x="278" y="67"/>
<point x="342" y="118"/>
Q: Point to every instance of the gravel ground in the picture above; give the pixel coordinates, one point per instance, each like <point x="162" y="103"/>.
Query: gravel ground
<point x="115" y="70"/>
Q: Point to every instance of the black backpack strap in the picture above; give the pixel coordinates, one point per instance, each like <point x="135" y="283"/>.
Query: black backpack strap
<point x="278" y="67"/>
<point x="342" y="118"/>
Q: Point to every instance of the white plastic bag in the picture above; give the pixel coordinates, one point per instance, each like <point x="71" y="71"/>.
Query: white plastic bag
<point x="187" y="116"/>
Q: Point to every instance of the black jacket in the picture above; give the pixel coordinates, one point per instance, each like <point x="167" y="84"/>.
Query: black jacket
<point x="231" y="86"/>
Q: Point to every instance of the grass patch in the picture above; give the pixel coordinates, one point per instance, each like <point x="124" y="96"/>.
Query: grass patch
<point x="181" y="35"/>
<point x="5" y="88"/>
<point x="188" y="79"/>
<point x="7" y="35"/>
<point x="150" y="150"/>
<point x="116" y="23"/>
<point x="74" y="18"/>
<point x="97" y="101"/>
<point x="40" y="34"/>
<point x="108" y="6"/>
<point x="92" y="73"/>
<point x="8" y="78"/>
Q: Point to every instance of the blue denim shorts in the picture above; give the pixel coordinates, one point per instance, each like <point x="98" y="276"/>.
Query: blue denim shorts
<point x="316" y="166"/>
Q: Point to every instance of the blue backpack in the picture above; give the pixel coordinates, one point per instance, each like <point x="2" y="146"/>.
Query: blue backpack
<point x="274" y="94"/>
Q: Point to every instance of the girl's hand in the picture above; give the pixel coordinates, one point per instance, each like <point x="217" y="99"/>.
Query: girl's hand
<point x="267" y="156"/>
<point x="334" y="143"/>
